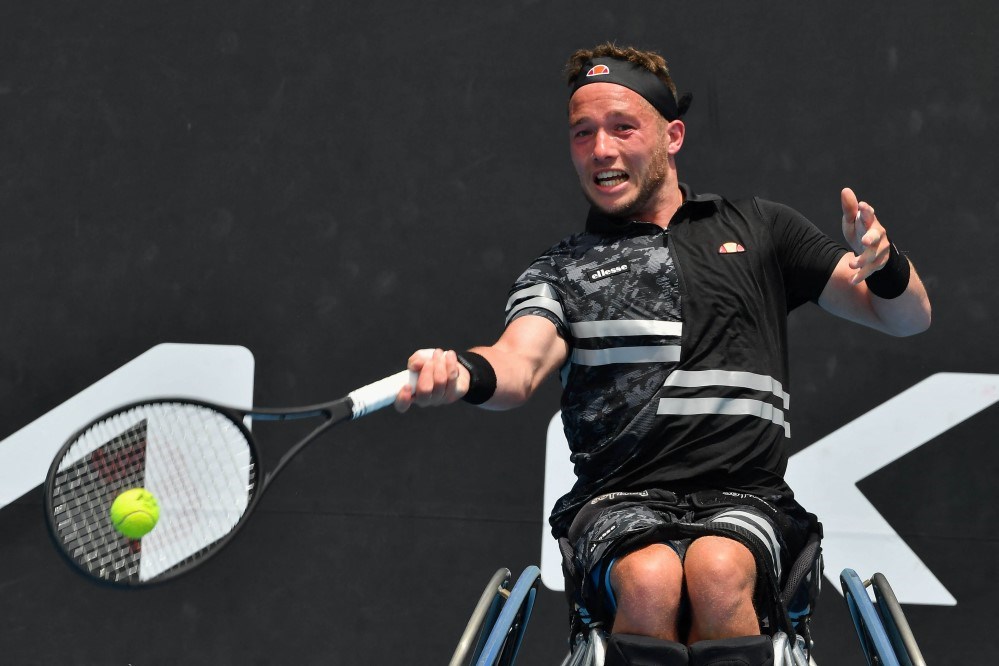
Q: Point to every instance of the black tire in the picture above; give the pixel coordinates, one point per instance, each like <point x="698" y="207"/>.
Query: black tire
<point x="504" y="640"/>
<point x="481" y="622"/>
<point x="897" y="627"/>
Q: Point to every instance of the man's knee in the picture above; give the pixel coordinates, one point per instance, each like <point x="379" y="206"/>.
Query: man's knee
<point x="653" y="571"/>
<point x="647" y="586"/>
<point x="720" y="577"/>
<point x="656" y="562"/>
<point x="718" y="565"/>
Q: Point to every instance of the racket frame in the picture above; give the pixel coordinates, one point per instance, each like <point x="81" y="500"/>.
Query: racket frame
<point x="332" y="413"/>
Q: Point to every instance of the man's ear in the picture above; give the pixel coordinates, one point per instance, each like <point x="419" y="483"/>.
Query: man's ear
<point x="675" y="131"/>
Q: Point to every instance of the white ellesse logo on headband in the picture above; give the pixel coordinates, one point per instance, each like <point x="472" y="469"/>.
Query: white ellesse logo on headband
<point x="597" y="70"/>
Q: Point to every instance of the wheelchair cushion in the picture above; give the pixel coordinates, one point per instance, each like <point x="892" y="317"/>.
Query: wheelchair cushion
<point x="632" y="650"/>
<point x="743" y="651"/>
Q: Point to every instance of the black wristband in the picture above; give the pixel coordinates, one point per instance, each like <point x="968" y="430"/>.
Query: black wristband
<point x="892" y="279"/>
<point x="482" y="377"/>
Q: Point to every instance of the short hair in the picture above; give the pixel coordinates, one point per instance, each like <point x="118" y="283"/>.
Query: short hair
<point x="649" y="60"/>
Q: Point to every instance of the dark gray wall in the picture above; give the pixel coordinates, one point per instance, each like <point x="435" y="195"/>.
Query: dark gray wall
<point x="334" y="185"/>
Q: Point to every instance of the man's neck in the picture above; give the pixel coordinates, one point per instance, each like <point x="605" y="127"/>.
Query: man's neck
<point x="666" y="208"/>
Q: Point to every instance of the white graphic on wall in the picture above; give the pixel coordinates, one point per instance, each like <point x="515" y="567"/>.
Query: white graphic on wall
<point x="216" y="373"/>
<point x="824" y="477"/>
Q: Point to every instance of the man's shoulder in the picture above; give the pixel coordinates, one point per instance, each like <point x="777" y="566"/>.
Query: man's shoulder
<point x="574" y="245"/>
<point x="750" y="207"/>
<point x="728" y="199"/>
<point x="708" y="205"/>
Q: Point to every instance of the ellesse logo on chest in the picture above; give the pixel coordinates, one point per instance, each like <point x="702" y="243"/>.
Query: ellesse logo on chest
<point x="610" y="270"/>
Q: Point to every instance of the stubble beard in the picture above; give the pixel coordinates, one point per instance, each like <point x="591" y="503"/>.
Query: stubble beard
<point x="649" y="188"/>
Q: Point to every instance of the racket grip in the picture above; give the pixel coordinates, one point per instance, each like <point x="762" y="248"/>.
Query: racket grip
<point x="380" y="394"/>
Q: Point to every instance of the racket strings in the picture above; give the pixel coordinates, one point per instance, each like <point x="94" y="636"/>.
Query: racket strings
<point x="84" y="489"/>
<point x="196" y="461"/>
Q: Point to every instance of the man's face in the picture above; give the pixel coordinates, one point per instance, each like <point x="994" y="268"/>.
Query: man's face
<point x="620" y="147"/>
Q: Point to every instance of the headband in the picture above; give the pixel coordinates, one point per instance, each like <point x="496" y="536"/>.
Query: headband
<point x="635" y="78"/>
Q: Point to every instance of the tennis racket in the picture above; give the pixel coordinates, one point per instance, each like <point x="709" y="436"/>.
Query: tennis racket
<point x="200" y="462"/>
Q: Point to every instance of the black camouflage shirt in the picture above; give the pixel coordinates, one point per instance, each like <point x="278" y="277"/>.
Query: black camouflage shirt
<point x="653" y="396"/>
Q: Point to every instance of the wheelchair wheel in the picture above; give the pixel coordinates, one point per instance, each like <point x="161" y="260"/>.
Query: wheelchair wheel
<point x="503" y="642"/>
<point x="482" y="620"/>
<point x="896" y="626"/>
<point x="873" y="637"/>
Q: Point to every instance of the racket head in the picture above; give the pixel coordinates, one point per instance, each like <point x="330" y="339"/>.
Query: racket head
<point x="198" y="460"/>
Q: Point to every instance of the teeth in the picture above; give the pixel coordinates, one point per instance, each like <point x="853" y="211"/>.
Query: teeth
<point x="610" y="178"/>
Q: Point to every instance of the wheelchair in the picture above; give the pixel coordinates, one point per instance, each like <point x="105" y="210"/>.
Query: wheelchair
<point x="884" y="633"/>
<point x="495" y="630"/>
<point x="496" y="627"/>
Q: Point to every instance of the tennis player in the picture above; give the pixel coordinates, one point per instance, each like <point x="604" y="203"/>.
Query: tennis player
<point x="665" y="318"/>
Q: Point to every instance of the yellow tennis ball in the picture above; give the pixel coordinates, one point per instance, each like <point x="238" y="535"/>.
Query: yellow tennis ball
<point x="134" y="513"/>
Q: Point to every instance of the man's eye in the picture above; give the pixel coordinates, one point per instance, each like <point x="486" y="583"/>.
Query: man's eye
<point x="579" y="134"/>
<point x="624" y="128"/>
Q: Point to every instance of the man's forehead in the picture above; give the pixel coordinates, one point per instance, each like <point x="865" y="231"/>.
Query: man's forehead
<point x="602" y="99"/>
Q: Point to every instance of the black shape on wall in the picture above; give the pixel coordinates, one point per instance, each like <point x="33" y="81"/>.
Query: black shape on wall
<point x="334" y="185"/>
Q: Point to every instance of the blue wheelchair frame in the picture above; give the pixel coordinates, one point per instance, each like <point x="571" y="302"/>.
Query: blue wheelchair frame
<point x="496" y="629"/>
<point x="499" y="621"/>
<point x="884" y="633"/>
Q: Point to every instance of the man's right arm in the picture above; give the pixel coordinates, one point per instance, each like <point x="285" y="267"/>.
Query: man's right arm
<point x="529" y="350"/>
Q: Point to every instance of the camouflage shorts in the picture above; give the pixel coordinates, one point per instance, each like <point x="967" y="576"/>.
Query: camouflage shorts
<point x="612" y="525"/>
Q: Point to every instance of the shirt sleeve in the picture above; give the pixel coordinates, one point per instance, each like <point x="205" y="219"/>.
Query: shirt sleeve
<point x="807" y="256"/>
<point x="538" y="292"/>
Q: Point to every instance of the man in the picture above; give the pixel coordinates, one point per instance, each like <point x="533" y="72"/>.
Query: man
<point x="666" y="319"/>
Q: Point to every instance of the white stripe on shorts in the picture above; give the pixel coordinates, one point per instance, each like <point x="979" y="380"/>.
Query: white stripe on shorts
<point x="756" y="525"/>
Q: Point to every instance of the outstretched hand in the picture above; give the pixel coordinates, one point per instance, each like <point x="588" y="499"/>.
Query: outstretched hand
<point x="441" y="380"/>
<point x="865" y="236"/>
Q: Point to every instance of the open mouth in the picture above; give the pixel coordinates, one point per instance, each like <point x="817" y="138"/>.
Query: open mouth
<point x="610" y="178"/>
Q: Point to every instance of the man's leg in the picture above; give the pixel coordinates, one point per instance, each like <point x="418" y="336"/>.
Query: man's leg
<point x="648" y="584"/>
<point x="720" y="576"/>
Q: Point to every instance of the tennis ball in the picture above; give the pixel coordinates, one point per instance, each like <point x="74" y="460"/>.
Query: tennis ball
<point x="134" y="513"/>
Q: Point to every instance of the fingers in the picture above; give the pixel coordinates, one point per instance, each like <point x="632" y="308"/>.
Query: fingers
<point x="869" y="242"/>
<point x="848" y="201"/>
<point x="438" y="381"/>
<point x="416" y="363"/>
<point x="404" y="399"/>
<point x="436" y="377"/>
<point x="864" y="234"/>
<point x="851" y="215"/>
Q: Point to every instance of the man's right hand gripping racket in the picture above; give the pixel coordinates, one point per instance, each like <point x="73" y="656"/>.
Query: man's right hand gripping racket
<point x="200" y="463"/>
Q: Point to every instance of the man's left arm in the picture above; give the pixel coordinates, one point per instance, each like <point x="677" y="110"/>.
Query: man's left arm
<point x="902" y="308"/>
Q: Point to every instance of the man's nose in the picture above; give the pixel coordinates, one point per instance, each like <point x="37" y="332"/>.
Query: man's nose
<point x="603" y="146"/>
